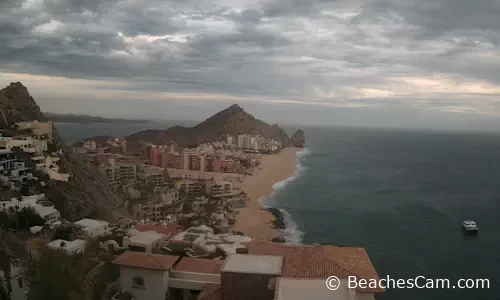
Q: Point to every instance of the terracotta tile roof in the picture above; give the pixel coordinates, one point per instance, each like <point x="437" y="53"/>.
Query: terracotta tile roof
<point x="320" y="261"/>
<point x="199" y="265"/>
<point x="168" y="230"/>
<point x="146" y="260"/>
<point x="210" y="292"/>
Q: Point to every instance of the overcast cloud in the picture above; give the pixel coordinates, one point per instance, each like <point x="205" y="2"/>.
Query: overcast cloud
<point x="402" y="62"/>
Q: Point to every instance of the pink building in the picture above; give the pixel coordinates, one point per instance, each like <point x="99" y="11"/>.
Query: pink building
<point x="156" y="156"/>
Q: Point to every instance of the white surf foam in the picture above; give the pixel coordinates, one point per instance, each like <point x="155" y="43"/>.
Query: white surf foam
<point x="291" y="233"/>
<point x="299" y="169"/>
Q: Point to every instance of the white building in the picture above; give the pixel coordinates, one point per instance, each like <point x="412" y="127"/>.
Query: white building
<point x="145" y="275"/>
<point x="69" y="247"/>
<point x="46" y="212"/>
<point x="144" y="241"/>
<point x="49" y="166"/>
<point x="94" y="228"/>
<point x="49" y="214"/>
<point x="26" y="144"/>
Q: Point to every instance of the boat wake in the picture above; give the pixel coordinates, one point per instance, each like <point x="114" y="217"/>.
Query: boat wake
<point x="290" y="231"/>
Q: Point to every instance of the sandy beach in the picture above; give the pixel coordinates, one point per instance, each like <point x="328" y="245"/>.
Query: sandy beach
<point x="252" y="220"/>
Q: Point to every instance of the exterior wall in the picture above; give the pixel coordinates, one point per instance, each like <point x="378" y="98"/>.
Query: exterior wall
<point x="365" y="296"/>
<point x="191" y="281"/>
<point x="155" y="283"/>
<point x="18" y="285"/>
<point x="238" y="286"/>
<point x="156" y="157"/>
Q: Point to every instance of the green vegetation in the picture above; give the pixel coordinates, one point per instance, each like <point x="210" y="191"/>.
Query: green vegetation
<point x="58" y="276"/>
<point x="20" y="218"/>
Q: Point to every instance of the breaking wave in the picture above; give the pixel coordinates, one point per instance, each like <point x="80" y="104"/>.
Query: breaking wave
<point x="291" y="232"/>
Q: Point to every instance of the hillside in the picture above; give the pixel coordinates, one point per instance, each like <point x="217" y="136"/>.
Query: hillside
<point x="233" y="121"/>
<point x="87" y="193"/>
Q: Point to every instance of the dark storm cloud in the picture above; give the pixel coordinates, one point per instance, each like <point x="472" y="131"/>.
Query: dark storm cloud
<point x="334" y="52"/>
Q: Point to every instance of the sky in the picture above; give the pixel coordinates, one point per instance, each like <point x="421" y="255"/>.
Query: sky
<point x="395" y="63"/>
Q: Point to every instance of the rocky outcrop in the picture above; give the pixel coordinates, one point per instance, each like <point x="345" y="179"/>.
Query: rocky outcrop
<point x="233" y="121"/>
<point x="16" y="105"/>
<point x="88" y="192"/>
<point x="298" y="139"/>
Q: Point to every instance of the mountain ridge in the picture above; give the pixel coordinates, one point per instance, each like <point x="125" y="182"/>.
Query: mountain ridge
<point x="233" y="120"/>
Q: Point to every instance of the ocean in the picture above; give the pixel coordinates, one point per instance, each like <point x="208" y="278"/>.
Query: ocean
<point x="400" y="194"/>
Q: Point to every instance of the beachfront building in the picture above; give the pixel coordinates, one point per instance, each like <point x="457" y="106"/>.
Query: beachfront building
<point x="190" y="187"/>
<point x="220" y="188"/>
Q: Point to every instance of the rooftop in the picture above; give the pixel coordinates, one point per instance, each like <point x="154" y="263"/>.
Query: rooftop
<point x="91" y="223"/>
<point x="301" y="288"/>
<point x="44" y="210"/>
<point x="253" y="264"/>
<point x="199" y="265"/>
<point x="168" y="230"/>
<point x="146" y="260"/>
<point x="315" y="261"/>
<point x="146" y="237"/>
<point x="69" y="246"/>
<point x="210" y="292"/>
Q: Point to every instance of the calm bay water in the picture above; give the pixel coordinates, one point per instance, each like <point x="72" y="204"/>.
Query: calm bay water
<point x="399" y="194"/>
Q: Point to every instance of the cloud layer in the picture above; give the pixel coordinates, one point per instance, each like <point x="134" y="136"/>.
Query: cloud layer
<point x="439" y="55"/>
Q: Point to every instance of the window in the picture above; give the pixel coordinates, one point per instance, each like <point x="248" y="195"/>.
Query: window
<point x="138" y="282"/>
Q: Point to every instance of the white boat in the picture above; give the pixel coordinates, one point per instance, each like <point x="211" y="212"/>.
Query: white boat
<point x="469" y="226"/>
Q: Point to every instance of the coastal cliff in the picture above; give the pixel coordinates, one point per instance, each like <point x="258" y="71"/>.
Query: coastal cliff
<point x="231" y="121"/>
<point x="298" y="139"/>
<point x="87" y="193"/>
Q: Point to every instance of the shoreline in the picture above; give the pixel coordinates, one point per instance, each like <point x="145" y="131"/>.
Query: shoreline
<point x="254" y="220"/>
